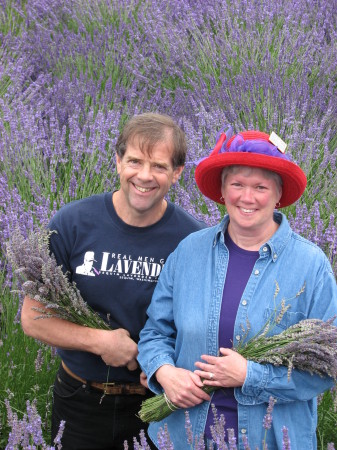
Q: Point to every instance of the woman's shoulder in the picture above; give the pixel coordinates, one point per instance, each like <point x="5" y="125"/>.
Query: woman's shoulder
<point x="308" y="253"/>
<point x="307" y="245"/>
<point x="298" y="243"/>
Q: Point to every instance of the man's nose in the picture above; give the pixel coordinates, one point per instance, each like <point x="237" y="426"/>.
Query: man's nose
<point x="145" y="172"/>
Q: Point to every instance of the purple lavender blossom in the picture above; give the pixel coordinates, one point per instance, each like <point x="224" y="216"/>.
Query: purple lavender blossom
<point x="39" y="360"/>
<point x="286" y="440"/>
<point x="58" y="437"/>
<point x="27" y="432"/>
<point x="268" y="418"/>
<point x="188" y="427"/>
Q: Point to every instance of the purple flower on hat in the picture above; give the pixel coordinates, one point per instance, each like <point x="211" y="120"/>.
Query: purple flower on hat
<point x="259" y="146"/>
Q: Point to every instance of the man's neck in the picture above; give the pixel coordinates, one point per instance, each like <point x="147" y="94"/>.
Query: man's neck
<point x="134" y="218"/>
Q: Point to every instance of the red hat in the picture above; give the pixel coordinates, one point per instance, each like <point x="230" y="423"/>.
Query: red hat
<point x="253" y="149"/>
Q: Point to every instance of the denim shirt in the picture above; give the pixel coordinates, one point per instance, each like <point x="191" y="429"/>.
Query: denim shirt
<point x="183" y="321"/>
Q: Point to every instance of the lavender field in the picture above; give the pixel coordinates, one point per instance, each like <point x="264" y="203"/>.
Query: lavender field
<point x="73" y="71"/>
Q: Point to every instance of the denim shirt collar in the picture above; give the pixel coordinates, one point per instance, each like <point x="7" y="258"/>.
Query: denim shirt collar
<point x="276" y="243"/>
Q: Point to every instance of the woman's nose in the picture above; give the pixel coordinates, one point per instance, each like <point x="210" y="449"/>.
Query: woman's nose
<point x="247" y="194"/>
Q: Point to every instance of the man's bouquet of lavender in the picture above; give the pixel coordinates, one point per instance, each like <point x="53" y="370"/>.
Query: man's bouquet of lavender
<point x="309" y="345"/>
<point x="40" y="278"/>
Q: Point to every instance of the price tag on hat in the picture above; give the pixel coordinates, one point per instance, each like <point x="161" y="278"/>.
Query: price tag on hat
<point x="278" y="142"/>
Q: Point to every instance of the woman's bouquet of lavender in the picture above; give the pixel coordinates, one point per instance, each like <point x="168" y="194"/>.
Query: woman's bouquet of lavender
<point x="309" y="345"/>
<point x="40" y="278"/>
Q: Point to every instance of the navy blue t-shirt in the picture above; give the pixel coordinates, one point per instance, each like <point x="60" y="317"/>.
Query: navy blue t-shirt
<point x="115" y="266"/>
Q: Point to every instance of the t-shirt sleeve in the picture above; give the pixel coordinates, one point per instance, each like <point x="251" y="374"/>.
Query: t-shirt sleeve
<point x="57" y="243"/>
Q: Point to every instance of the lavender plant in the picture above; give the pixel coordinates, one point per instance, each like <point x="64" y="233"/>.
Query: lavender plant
<point x="111" y="56"/>
<point x="27" y="370"/>
<point x="26" y="433"/>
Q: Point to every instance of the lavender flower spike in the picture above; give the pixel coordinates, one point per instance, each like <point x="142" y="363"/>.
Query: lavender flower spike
<point x="268" y="418"/>
<point x="286" y="440"/>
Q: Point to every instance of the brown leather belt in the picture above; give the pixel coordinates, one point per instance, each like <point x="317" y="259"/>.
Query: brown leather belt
<point x="111" y="388"/>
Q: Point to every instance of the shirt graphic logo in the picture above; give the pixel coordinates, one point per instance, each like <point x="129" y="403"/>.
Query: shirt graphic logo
<point x="122" y="266"/>
<point x="87" y="268"/>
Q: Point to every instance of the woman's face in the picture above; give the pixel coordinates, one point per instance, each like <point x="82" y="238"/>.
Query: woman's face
<point x="250" y="196"/>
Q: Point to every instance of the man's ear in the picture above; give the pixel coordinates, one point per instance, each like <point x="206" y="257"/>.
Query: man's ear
<point x="176" y="173"/>
<point x="118" y="163"/>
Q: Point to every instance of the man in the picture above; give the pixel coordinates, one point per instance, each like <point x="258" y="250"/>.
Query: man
<point x="123" y="240"/>
<point x="86" y="268"/>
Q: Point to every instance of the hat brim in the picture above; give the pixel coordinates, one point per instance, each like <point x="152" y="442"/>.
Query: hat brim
<point x="208" y="174"/>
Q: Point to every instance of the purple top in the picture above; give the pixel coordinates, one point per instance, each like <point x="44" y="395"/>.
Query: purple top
<point x="240" y="266"/>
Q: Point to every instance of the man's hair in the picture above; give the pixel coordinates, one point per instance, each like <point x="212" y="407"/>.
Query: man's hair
<point x="150" y="129"/>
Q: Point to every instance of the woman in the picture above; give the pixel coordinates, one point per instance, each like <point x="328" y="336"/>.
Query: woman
<point x="219" y="278"/>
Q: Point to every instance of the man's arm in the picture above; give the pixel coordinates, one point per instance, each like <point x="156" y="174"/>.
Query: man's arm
<point x="115" y="347"/>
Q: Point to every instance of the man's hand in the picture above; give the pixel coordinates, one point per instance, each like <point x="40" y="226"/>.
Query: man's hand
<point x="117" y="349"/>
<point x="143" y="380"/>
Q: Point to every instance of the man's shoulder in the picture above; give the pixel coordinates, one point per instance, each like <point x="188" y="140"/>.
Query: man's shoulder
<point x="74" y="209"/>
<point x="181" y="216"/>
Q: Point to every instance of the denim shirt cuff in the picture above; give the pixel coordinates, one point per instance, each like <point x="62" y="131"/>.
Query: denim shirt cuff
<point x="255" y="382"/>
<point x="153" y="366"/>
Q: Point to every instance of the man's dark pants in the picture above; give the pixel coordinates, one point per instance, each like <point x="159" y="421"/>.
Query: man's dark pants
<point x="93" y="422"/>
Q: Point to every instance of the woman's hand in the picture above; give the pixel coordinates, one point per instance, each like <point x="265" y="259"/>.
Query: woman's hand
<point x="182" y="387"/>
<point x="228" y="370"/>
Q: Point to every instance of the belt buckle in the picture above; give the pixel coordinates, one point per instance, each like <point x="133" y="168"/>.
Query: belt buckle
<point x="110" y="383"/>
<point x="112" y="388"/>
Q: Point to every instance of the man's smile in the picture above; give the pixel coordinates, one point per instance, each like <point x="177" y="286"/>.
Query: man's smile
<point x="142" y="189"/>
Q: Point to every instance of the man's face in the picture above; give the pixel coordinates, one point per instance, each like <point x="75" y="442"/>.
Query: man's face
<point x="145" y="180"/>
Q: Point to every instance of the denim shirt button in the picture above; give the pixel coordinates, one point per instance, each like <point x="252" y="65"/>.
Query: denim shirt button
<point x="275" y="255"/>
<point x="238" y="337"/>
<point x="244" y="302"/>
<point x="265" y="249"/>
<point x="256" y="272"/>
<point x="243" y="431"/>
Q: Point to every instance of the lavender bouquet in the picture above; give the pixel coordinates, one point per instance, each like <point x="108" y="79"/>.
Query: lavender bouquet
<point x="40" y="278"/>
<point x="309" y="345"/>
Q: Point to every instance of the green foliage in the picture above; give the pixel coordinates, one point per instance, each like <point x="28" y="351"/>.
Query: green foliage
<point x="327" y="419"/>
<point x="10" y="20"/>
<point x="27" y="367"/>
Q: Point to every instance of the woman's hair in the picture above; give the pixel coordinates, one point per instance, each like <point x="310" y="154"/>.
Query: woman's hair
<point x="236" y="168"/>
<point x="150" y="129"/>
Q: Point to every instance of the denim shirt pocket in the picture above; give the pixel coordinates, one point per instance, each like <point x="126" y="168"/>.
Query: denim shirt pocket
<point x="289" y="318"/>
